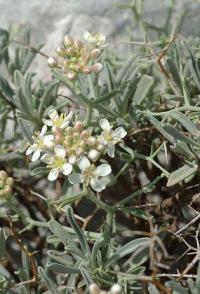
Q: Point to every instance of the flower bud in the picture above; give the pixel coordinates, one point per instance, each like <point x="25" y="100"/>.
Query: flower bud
<point x="95" y="53"/>
<point x="78" y="44"/>
<point x="97" y="67"/>
<point x="91" y="141"/>
<point x="71" y="75"/>
<point x="56" y="130"/>
<point x="70" y="52"/>
<point x="100" y="147"/>
<point x="2" y="194"/>
<point x="115" y="289"/>
<point x="60" y="51"/>
<point x="87" y="70"/>
<point x="58" y="138"/>
<point x="68" y="41"/>
<point x="50" y="144"/>
<point x="94" y="289"/>
<point x="93" y="154"/>
<point x="3" y="175"/>
<point x="72" y="159"/>
<point x="10" y="181"/>
<point x="85" y="134"/>
<point x="52" y="62"/>
<point x="78" y="126"/>
<point x="7" y="190"/>
<point x="66" y="64"/>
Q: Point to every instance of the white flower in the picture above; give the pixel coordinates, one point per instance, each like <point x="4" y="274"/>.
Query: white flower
<point x="110" y="137"/>
<point x="55" y="120"/>
<point x="95" y="39"/>
<point x="57" y="163"/>
<point x="41" y="142"/>
<point x="91" y="175"/>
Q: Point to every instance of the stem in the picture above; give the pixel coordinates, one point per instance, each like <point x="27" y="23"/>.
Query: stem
<point x="100" y="203"/>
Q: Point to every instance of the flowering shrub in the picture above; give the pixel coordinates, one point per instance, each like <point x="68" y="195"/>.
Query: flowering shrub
<point x="99" y="165"/>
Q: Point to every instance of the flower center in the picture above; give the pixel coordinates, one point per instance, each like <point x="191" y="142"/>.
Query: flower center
<point x="88" y="173"/>
<point x="58" y="162"/>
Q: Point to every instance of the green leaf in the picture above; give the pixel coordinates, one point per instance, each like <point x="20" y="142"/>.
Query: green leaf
<point x="43" y="100"/>
<point x="48" y="281"/>
<point x="186" y="122"/>
<point x="78" y="231"/>
<point x="176" y="287"/>
<point x="29" y="58"/>
<point x="127" y="249"/>
<point x="63" y="269"/>
<point x="39" y="171"/>
<point x="25" y="130"/>
<point x="143" y="89"/>
<point x="181" y="174"/>
<point x="2" y="243"/>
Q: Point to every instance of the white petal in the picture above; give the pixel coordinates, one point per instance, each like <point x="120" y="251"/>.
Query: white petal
<point x="87" y="36"/>
<point x="75" y="178"/>
<point x="97" y="185"/>
<point x="47" y="158"/>
<point x="111" y="150"/>
<point x="119" y="133"/>
<point x="103" y="170"/>
<point x="104" y="124"/>
<point x="47" y="139"/>
<point x="65" y="124"/>
<point x="47" y="122"/>
<point x="67" y="169"/>
<point x="83" y="163"/>
<point x="60" y="151"/>
<point x="36" y="155"/>
<point x="52" y="176"/>
<point x="53" y="114"/>
<point x="30" y="150"/>
<point x="102" y="140"/>
<point x="43" y="131"/>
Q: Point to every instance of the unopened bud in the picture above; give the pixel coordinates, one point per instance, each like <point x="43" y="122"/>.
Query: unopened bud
<point x="93" y="154"/>
<point x="72" y="159"/>
<point x="70" y="52"/>
<point x="10" y="181"/>
<point x="60" y="51"/>
<point x="71" y="75"/>
<point x="68" y="41"/>
<point x="56" y="130"/>
<point x="94" y="289"/>
<point x="85" y="134"/>
<point x="78" y="125"/>
<point x="87" y="70"/>
<point x="78" y="44"/>
<point x="79" y="151"/>
<point x="58" y="138"/>
<point x="3" y="175"/>
<point x="91" y="141"/>
<point x="116" y="289"/>
<point x="95" y="53"/>
<point x="97" y="67"/>
<point x="100" y="147"/>
<point x="52" y="62"/>
<point x="7" y="190"/>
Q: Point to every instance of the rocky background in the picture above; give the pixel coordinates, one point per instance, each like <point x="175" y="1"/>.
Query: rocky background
<point x="49" y="20"/>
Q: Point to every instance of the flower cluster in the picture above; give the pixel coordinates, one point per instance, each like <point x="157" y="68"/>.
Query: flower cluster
<point x="67" y="147"/>
<point x="6" y="184"/>
<point x="75" y="56"/>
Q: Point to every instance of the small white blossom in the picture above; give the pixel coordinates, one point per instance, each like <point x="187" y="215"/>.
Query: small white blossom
<point x="110" y="137"/>
<point x="95" y="39"/>
<point x="55" y="120"/>
<point x="91" y="175"/>
<point x="57" y="163"/>
<point x="41" y="142"/>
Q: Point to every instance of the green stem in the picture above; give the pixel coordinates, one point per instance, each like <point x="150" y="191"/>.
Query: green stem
<point x="147" y="189"/>
<point x="70" y="199"/>
<point x="100" y="203"/>
<point x="182" y="108"/>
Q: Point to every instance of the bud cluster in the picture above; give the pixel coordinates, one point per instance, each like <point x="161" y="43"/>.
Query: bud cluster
<point x="76" y="56"/>
<point x="115" y="289"/>
<point x="6" y="184"/>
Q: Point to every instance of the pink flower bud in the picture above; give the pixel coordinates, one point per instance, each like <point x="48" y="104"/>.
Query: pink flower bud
<point x="58" y="138"/>
<point x="95" y="53"/>
<point x="100" y="147"/>
<point x="60" y="51"/>
<point x="72" y="159"/>
<point x="97" y="67"/>
<point x="52" y="62"/>
<point x="85" y="134"/>
<point x="91" y="141"/>
<point x="68" y="41"/>
<point x="3" y="175"/>
<point x="70" y="52"/>
<point x="94" y="289"/>
<point x="87" y="70"/>
<point x="78" y="44"/>
<point x="79" y="151"/>
<point x="56" y="130"/>
<point x="78" y="126"/>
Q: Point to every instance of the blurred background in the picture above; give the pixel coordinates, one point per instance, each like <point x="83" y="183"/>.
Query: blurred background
<point x="49" y="20"/>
